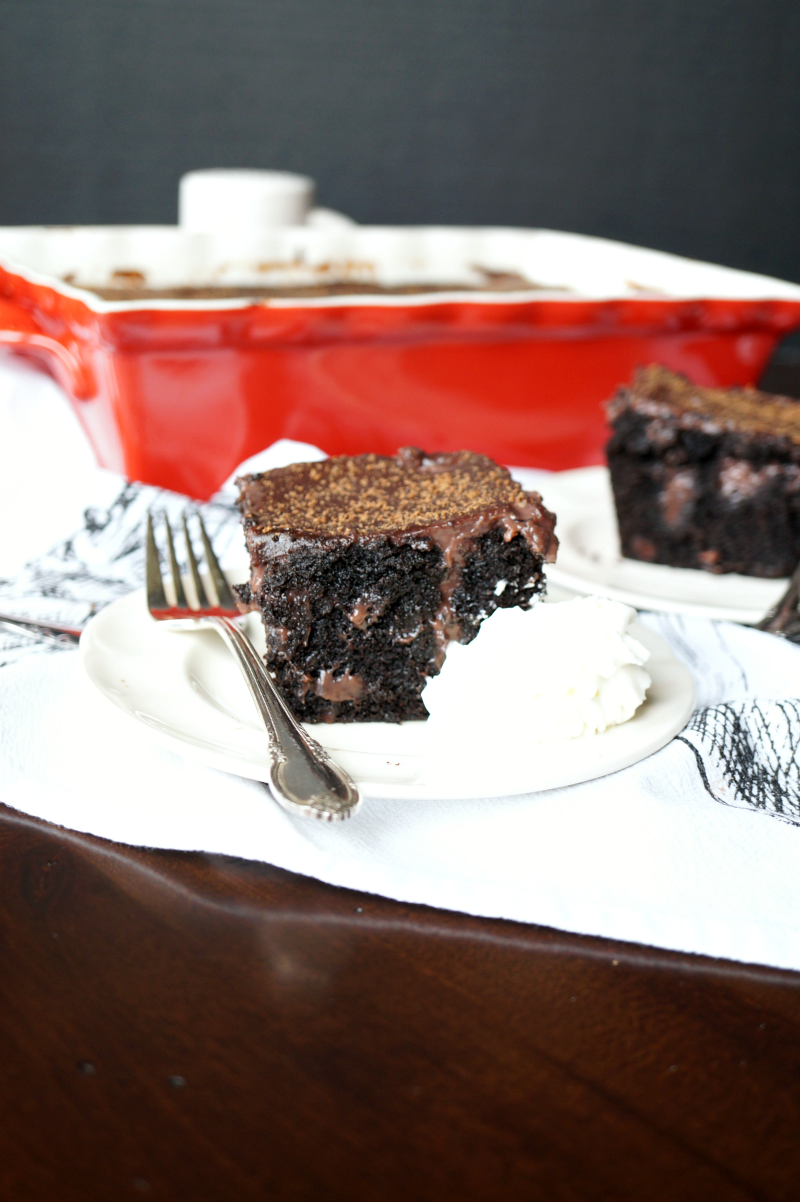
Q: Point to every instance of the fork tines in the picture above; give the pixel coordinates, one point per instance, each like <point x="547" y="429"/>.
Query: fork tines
<point x="216" y="601"/>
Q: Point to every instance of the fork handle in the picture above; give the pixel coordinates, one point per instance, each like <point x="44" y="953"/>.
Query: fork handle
<point x="303" y="778"/>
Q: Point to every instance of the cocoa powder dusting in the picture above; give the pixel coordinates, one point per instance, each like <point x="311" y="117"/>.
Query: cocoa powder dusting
<point x="368" y="494"/>
<point x="660" y="393"/>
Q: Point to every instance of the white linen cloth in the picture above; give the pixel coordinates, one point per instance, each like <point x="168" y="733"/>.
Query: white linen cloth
<point x="695" y="848"/>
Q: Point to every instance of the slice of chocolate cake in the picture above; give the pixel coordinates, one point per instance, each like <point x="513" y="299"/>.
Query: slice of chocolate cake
<point x="364" y="568"/>
<point x="705" y="477"/>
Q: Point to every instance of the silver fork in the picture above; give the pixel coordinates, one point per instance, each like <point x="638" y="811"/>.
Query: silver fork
<point x="303" y="778"/>
<point x="784" y="617"/>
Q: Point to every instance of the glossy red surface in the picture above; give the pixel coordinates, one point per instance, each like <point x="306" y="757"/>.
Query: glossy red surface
<point x="179" y="397"/>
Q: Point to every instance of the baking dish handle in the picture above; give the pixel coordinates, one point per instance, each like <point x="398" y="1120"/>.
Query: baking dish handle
<point x="20" y="332"/>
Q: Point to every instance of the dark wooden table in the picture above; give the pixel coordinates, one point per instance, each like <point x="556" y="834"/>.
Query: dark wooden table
<point x="194" y="1027"/>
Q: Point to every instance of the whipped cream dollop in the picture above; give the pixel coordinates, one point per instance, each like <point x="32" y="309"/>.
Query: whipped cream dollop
<point x="556" y="671"/>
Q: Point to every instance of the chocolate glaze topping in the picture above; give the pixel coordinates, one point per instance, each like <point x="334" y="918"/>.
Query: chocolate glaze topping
<point x="360" y="496"/>
<point x="661" y="394"/>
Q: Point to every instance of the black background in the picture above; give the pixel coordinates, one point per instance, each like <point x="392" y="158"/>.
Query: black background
<point x="668" y="123"/>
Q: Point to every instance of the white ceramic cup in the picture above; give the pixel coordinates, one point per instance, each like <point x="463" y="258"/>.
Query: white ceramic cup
<point x="221" y="200"/>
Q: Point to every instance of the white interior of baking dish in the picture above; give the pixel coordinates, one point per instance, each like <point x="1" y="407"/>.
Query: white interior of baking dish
<point x="562" y="266"/>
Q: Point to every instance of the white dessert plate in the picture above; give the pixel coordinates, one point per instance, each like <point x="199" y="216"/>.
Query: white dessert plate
<point x="186" y="690"/>
<point x="589" y="560"/>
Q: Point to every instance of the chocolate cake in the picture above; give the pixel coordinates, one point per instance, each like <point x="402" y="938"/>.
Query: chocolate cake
<point x="706" y="477"/>
<point x="365" y="568"/>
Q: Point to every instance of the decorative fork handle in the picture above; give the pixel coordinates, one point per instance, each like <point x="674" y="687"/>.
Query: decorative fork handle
<point x="303" y="777"/>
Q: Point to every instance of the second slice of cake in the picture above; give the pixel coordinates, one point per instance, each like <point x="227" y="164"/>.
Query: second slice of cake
<point x="364" y="568"/>
<point x="706" y="477"/>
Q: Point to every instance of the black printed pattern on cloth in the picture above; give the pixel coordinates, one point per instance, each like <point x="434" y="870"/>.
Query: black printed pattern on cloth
<point x="747" y="755"/>
<point x="101" y="562"/>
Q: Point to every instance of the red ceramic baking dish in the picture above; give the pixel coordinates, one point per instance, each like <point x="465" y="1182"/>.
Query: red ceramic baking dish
<point x="185" y="353"/>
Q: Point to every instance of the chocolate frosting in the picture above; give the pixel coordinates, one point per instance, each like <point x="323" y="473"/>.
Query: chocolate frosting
<point x="357" y="497"/>
<point x="666" y="397"/>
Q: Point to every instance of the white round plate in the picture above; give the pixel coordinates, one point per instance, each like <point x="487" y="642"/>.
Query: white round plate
<point x="187" y="691"/>
<point x="589" y="560"/>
